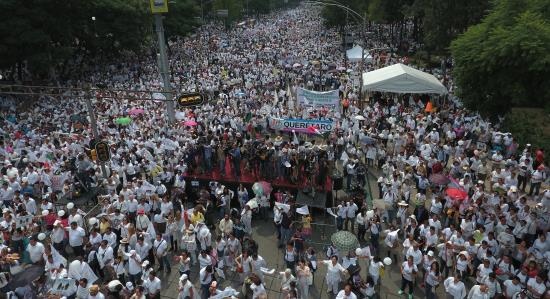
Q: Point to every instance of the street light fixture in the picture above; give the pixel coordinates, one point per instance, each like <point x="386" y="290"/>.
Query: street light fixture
<point x="363" y="20"/>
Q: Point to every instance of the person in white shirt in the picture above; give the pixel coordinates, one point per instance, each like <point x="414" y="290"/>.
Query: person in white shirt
<point x="454" y="287"/>
<point x="160" y="248"/>
<point x="105" y="255"/>
<point x="346" y="293"/>
<point x="536" y="285"/>
<point x="205" y="278"/>
<point x="493" y="285"/>
<point x="186" y="288"/>
<point x="408" y="272"/>
<point x="478" y="292"/>
<point x="204" y="259"/>
<point x="152" y="286"/>
<point x="350" y="215"/>
<point x="511" y="286"/>
<point x="76" y="238"/>
<point x="134" y="266"/>
<point x="36" y="250"/>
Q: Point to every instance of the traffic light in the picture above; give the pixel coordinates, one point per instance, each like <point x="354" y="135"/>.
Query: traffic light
<point x="102" y="151"/>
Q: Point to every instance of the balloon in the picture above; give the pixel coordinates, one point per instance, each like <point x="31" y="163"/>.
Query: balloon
<point x="358" y="251"/>
<point x="387" y="261"/>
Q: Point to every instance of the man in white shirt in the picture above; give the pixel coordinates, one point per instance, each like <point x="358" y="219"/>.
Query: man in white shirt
<point x="478" y="292"/>
<point x="30" y="204"/>
<point x="35" y="250"/>
<point x="351" y="211"/>
<point x="205" y="278"/>
<point x="76" y="238"/>
<point x="6" y="194"/>
<point x="134" y="266"/>
<point x="104" y="256"/>
<point x="511" y="286"/>
<point x="160" y="248"/>
<point x="152" y="286"/>
<point x="346" y="293"/>
<point x="536" y="285"/>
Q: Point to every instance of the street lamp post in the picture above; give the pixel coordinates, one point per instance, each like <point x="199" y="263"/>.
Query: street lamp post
<point x="158" y="7"/>
<point x="363" y="20"/>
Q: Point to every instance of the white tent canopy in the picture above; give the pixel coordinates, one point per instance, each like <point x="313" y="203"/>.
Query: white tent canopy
<point x="399" y="78"/>
<point x="354" y="54"/>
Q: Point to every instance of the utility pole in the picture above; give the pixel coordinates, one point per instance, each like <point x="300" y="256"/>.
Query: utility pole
<point x="362" y="68"/>
<point x="158" y="8"/>
<point x="95" y="132"/>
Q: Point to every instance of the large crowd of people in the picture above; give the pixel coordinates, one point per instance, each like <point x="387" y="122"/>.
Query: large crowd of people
<point x="463" y="209"/>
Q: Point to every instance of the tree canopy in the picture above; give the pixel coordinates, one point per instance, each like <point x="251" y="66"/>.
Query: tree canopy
<point x="43" y="34"/>
<point x="503" y="62"/>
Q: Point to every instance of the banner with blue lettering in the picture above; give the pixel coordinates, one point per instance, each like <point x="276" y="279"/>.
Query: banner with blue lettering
<point x="316" y="99"/>
<point x="301" y="125"/>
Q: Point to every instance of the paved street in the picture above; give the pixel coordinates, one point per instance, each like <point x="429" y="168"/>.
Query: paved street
<point x="264" y="233"/>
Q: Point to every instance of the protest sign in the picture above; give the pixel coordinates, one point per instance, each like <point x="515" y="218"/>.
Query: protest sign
<point x="310" y="98"/>
<point x="301" y="125"/>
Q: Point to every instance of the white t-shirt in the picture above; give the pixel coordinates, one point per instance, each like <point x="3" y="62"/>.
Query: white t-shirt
<point x="152" y="286"/>
<point x="408" y="271"/>
<point x="539" y="287"/>
<point x="511" y="288"/>
<point x="76" y="236"/>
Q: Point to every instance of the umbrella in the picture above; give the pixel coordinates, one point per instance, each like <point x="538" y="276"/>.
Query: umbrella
<point x="315" y="62"/>
<point x="257" y="189"/>
<point x="456" y="194"/>
<point x="123" y="121"/>
<point x="296" y="65"/>
<point x="367" y="140"/>
<point x="136" y="111"/>
<point x="180" y="115"/>
<point x="159" y="96"/>
<point x="344" y="241"/>
<point x="359" y="117"/>
<point x="341" y="68"/>
<point x="266" y="187"/>
<point x="25" y="277"/>
<point x="240" y="94"/>
<point x="439" y="179"/>
<point x="190" y="123"/>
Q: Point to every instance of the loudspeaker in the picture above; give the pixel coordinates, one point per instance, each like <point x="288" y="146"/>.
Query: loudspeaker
<point x="338" y="183"/>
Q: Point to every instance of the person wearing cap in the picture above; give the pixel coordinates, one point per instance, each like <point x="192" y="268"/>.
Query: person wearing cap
<point x="95" y="293"/>
<point x="186" y="288"/>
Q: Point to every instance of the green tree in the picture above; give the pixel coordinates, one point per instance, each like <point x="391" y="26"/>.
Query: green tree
<point x="183" y="16"/>
<point x="233" y="7"/>
<point x="444" y="20"/>
<point x="503" y="62"/>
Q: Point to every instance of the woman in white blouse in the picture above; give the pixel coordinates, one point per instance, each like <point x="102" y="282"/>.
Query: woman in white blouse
<point x="305" y="278"/>
<point x="333" y="277"/>
<point x="454" y="287"/>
